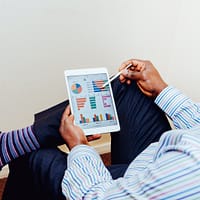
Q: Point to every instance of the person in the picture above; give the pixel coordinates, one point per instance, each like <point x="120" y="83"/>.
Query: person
<point x="39" y="174"/>
<point x="167" y="169"/>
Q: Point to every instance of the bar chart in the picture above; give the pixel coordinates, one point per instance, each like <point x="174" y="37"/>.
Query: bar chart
<point x="93" y="104"/>
<point x="81" y="102"/>
<point x="96" y="118"/>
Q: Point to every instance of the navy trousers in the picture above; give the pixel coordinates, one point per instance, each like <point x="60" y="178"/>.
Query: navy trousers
<point x="38" y="175"/>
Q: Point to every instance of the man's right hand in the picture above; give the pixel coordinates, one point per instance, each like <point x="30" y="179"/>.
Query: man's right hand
<point x="145" y="74"/>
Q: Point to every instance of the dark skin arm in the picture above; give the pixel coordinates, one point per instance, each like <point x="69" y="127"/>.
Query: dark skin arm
<point x="145" y="74"/>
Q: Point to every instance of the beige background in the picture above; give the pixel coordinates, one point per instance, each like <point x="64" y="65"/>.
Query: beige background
<point x="39" y="39"/>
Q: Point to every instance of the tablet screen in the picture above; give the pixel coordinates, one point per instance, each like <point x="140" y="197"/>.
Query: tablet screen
<point x="93" y="106"/>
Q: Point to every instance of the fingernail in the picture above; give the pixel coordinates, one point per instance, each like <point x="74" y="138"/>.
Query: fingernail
<point x="125" y="71"/>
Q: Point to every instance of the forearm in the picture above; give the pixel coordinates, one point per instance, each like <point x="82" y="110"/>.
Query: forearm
<point x="87" y="178"/>
<point x="182" y="110"/>
<point x="85" y="170"/>
<point x="16" y="143"/>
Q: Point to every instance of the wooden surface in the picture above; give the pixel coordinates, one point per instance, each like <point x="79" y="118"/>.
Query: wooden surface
<point x="2" y="185"/>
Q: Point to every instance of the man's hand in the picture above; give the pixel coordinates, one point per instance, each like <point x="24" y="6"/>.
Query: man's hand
<point x="145" y="74"/>
<point x="72" y="134"/>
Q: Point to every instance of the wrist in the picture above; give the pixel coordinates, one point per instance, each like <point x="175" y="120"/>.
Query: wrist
<point x="160" y="88"/>
<point x="76" y="143"/>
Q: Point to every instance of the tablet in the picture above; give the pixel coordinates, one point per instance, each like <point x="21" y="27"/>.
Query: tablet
<point x="92" y="105"/>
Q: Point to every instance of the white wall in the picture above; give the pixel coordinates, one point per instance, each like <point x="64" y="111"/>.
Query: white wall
<point x="39" y="39"/>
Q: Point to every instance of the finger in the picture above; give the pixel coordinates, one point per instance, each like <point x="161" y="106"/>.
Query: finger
<point x="93" y="137"/>
<point x="122" y="78"/>
<point x="70" y="118"/>
<point x="134" y="62"/>
<point x="66" y="113"/>
<point x="125" y="64"/>
<point x="128" y="81"/>
<point x="134" y="75"/>
<point x="137" y="64"/>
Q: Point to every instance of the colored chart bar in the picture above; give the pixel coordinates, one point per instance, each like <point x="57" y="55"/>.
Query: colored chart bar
<point x="101" y="117"/>
<point x="80" y="102"/>
<point x="97" y="118"/>
<point x="97" y="86"/>
<point x="93" y="102"/>
<point x="109" y="116"/>
<point x="83" y="119"/>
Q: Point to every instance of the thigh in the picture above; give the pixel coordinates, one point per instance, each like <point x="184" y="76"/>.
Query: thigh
<point x="47" y="168"/>
<point x="141" y="121"/>
<point x="19" y="184"/>
<point x="37" y="175"/>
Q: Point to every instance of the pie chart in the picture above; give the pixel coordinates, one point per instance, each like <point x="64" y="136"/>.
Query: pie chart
<point x="76" y="88"/>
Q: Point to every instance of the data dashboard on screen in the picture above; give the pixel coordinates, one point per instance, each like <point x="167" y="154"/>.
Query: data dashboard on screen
<point x="92" y="105"/>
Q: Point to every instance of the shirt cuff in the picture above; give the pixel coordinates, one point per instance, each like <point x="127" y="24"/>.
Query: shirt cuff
<point x="80" y="151"/>
<point x="170" y="99"/>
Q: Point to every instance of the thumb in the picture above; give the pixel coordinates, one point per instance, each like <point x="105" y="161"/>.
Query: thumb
<point x="71" y="118"/>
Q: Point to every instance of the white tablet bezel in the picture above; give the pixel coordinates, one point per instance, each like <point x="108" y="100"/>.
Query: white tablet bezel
<point x="92" y="71"/>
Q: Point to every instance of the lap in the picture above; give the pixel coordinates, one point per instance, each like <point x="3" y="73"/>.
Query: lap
<point x="142" y="122"/>
<point x="37" y="175"/>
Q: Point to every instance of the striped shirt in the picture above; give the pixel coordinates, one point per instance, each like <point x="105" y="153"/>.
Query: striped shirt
<point x="16" y="143"/>
<point x="168" y="169"/>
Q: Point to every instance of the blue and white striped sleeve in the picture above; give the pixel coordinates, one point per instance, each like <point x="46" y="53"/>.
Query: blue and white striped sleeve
<point x="181" y="109"/>
<point x="87" y="178"/>
<point x="86" y="175"/>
